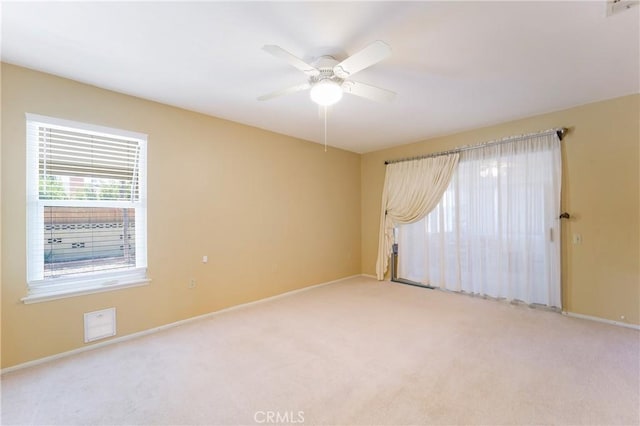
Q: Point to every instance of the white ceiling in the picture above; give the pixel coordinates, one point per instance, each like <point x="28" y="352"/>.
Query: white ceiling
<point x="454" y="65"/>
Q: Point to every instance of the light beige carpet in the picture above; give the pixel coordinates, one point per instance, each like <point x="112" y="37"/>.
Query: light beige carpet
<point x="355" y="352"/>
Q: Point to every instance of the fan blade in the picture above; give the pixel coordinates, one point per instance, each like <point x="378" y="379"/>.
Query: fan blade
<point x="286" y="91"/>
<point x="279" y="52"/>
<point x="372" y="54"/>
<point x="367" y="91"/>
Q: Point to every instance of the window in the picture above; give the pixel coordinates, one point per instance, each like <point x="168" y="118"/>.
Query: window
<point x="86" y="208"/>
<point x="495" y="231"/>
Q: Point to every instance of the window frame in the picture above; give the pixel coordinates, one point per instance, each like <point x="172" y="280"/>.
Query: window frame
<point x="41" y="288"/>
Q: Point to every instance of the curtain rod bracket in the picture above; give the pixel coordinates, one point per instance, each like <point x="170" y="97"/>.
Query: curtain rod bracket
<point x="561" y="132"/>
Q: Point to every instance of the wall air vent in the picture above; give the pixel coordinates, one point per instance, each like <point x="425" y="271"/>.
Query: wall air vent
<point x="99" y="324"/>
<point x="619" y="6"/>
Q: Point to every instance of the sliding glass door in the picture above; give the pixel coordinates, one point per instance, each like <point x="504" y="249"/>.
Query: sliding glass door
<point x="496" y="230"/>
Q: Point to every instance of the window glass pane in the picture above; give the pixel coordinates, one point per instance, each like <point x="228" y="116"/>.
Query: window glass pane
<point x="79" y="240"/>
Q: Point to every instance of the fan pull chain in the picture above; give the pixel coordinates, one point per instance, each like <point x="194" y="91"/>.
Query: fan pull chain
<point x="325" y="128"/>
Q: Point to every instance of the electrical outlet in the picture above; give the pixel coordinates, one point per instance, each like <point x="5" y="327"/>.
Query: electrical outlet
<point x="192" y="284"/>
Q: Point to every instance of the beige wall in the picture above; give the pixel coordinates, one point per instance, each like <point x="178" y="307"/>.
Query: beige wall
<point x="600" y="277"/>
<point x="273" y="214"/>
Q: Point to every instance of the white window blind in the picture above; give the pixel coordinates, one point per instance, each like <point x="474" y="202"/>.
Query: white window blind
<point x="86" y="206"/>
<point x="97" y="167"/>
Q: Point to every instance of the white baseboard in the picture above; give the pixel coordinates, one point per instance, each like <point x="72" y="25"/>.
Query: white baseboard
<point x="138" y="334"/>
<point x="369" y="276"/>
<point x="603" y="320"/>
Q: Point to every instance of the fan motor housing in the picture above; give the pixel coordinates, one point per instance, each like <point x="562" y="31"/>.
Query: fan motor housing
<point x="325" y="65"/>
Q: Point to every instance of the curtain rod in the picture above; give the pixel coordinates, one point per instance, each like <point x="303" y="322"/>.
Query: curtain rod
<point x="560" y="131"/>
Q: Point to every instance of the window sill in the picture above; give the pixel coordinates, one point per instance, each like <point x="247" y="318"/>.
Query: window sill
<point x="97" y="288"/>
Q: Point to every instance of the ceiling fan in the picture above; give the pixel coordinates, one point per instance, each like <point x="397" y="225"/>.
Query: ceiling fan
<point x="328" y="79"/>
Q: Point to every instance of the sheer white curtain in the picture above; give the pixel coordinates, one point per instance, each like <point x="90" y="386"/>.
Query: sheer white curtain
<point x="496" y="230"/>
<point x="411" y="190"/>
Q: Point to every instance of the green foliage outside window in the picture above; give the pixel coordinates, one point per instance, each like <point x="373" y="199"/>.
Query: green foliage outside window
<point x="53" y="188"/>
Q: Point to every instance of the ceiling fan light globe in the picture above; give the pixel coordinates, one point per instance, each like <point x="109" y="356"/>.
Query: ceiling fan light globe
<point x="326" y="92"/>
